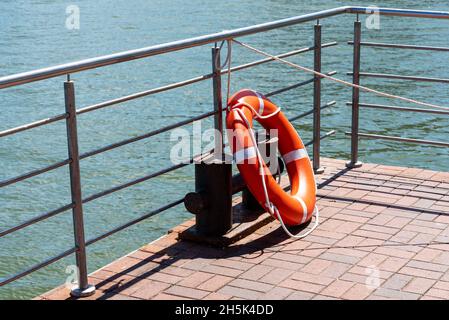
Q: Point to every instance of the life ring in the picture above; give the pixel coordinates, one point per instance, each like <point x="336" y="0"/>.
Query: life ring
<point x="296" y="207"/>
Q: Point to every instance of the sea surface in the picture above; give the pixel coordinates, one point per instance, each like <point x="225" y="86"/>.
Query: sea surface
<point x="33" y="34"/>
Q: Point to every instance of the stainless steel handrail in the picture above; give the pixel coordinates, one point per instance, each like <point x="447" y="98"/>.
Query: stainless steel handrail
<point x="400" y="12"/>
<point x="296" y="85"/>
<point x="356" y="104"/>
<point x="399" y="77"/>
<point x="37" y="219"/>
<point x="34" y="173"/>
<point x="32" y="125"/>
<point x="322" y="137"/>
<point x="73" y="67"/>
<point x="307" y="113"/>
<point x="46" y="73"/>
<point x="37" y="267"/>
<point x="396" y="108"/>
<point x="134" y="221"/>
<point x="400" y="46"/>
<point x="284" y="55"/>
<point x="400" y="139"/>
<point x="149" y="92"/>
<point x="134" y="182"/>
<point x="146" y="135"/>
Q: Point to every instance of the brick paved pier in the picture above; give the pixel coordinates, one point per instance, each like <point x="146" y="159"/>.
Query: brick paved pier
<point x="384" y="234"/>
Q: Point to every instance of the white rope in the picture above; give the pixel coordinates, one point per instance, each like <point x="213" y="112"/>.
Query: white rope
<point x="271" y="207"/>
<point x="363" y="88"/>
<point x="228" y="56"/>
<point x="258" y="115"/>
<point x="299" y="235"/>
<point x="227" y="62"/>
<point x="228" y="92"/>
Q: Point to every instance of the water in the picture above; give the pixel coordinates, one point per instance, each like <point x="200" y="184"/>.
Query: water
<point x="34" y="35"/>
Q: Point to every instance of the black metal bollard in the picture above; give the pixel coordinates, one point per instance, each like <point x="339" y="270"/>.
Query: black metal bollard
<point x="214" y="186"/>
<point x="212" y="200"/>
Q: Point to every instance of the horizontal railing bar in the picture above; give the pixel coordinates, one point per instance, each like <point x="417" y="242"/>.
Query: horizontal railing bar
<point x="399" y="12"/>
<point x="160" y="209"/>
<point x="143" y="94"/>
<point x="156" y="90"/>
<point x="37" y="267"/>
<point x="68" y="68"/>
<point x="396" y="76"/>
<point x="284" y="55"/>
<point x="332" y="132"/>
<point x="145" y="136"/>
<point x="166" y="88"/>
<point x="191" y="81"/>
<point x="395" y="108"/>
<point x="31" y="174"/>
<point x="70" y="251"/>
<point x="134" y="221"/>
<point x="324" y="136"/>
<point x="133" y="182"/>
<point x="130" y="55"/>
<point x="36" y="219"/>
<point x="418" y="141"/>
<point x="299" y="84"/>
<point x="32" y="125"/>
<point x="89" y="199"/>
<point x="302" y="115"/>
<point x="399" y="46"/>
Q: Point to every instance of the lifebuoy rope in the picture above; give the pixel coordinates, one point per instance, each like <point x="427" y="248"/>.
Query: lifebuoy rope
<point x="271" y="207"/>
<point x="228" y="62"/>
<point x="346" y="83"/>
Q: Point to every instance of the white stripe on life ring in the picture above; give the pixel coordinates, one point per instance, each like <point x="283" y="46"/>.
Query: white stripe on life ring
<point x="245" y="154"/>
<point x="304" y="208"/>
<point x="295" y="155"/>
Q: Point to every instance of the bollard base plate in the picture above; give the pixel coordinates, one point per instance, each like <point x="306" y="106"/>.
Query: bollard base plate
<point x="352" y="165"/>
<point x="83" y="293"/>
<point x="319" y="170"/>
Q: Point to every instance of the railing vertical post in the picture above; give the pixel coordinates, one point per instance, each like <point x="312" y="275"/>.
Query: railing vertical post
<point x="84" y="289"/>
<point x="213" y="175"/>
<point x="317" y="101"/>
<point x="354" y="163"/>
<point x="218" y="102"/>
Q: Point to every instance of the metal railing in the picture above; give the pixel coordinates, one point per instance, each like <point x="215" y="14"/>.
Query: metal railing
<point x="71" y="113"/>
<point x="357" y="43"/>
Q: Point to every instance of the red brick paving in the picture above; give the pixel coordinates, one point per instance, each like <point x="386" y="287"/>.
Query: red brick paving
<point x="384" y="234"/>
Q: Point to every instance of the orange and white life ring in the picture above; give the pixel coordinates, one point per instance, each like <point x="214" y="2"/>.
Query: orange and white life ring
<point x="296" y="207"/>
